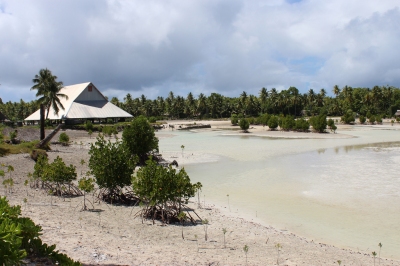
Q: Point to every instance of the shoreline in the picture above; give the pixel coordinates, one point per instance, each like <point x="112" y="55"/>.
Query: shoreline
<point x="115" y="237"/>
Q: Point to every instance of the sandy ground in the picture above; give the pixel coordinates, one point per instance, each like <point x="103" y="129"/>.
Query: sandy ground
<point x="112" y="235"/>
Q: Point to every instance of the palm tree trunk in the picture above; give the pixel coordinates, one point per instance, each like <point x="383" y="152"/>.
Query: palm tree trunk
<point x="42" y="134"/>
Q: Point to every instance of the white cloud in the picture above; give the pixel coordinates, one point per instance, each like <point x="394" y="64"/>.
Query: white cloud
<point x="152" y="47"/>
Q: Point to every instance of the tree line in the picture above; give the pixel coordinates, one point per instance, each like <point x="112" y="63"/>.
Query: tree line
<point x="380" y="100"/>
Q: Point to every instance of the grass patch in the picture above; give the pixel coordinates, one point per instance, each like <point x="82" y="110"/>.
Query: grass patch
<point x="24" y="147"/>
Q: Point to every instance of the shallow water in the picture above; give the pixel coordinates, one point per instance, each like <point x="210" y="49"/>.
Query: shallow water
<point x="344" y="192"/>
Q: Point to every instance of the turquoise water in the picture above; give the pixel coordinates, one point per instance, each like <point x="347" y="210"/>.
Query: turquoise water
<point x="344" y="192"/>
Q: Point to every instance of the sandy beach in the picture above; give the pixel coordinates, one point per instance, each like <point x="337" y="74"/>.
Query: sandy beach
<point x="112" y="235"/>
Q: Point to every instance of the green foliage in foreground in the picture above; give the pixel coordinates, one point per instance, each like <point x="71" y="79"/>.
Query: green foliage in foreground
<point x="111" y="163"/>
<point x="19" y="238"/>
<point x="159" y="185"/>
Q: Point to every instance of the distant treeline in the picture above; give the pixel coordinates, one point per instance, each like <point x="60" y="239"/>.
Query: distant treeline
<point x="380" y="100"/>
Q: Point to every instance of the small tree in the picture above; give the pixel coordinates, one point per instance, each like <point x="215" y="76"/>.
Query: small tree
<point x="246" y="250"/>
<point x="273" y="122"/>
<point x="319" y="123"/>
<point x="112" y="166"/>
<point x="182" y="218"/>
<point x="380" y="247"/>
<point x="63" y="138"/>
<point x="139" y="138"/>
<point x="244" y="124"/>
<point x="374" y="254"/>
<point x="362" y="119"/>
<point x="90" y="132"/>
<point x="234" y="119"/>
<point x="372" y="120"/>
<point x="87" y="186"/>
<point x="224" y="232"/>
<point x="89" y="125"/>
<point x="163" y="189"/>
<point x="182" y="147"/>
<point x="57" y="174"/>
<point x="205" y="223"/>
<point x="278" y="249"/>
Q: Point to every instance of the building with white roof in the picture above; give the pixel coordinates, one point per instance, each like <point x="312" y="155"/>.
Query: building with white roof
<point x="85" y="101"/>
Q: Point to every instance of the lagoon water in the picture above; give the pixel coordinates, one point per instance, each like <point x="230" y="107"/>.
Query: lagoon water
<point x="344" y="192"/>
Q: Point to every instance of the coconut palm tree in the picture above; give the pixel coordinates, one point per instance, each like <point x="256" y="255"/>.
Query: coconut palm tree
<point x="48" y="89"/>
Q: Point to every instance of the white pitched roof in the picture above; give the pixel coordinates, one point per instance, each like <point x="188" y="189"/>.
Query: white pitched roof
<point x="83" y="104"/>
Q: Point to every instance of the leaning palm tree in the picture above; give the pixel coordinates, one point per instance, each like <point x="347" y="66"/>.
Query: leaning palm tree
<point x="49" y="89"/>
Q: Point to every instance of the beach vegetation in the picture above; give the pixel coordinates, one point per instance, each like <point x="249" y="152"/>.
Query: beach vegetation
<point x="319" y="123"/>
<point x="112" y="164"/>
<point x="139" y="137"/>
<point x="278" y="247"/>
<point x="57" y="177"/>
<point x="372" y="119"/>
<point x="224" y="232"/>
<point x="164" y="192"/>
<point x="20" y="239"/>
<point x="246" y="250"/>
<point x="348" y="117"/>
<point x="244" y="124"/>
<point x="273" y="122"/>
<point x="374" y="255"/>
<point x="362" y="119"/>
<point x="63" y="139"/>
<point x="302" y="125"/>
<point x="205" y="226"/>
<point x="234" y="119"/>
<point x="86" y="185"/>
<point x="287" y="123"/>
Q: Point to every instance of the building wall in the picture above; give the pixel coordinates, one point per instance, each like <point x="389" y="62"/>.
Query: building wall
<point x="87" y="95"/>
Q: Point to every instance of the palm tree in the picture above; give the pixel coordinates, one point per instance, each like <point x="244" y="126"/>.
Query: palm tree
<point x="263" y="98"/>
<point x="49" y="89"/>
<point x="336" y="90"/>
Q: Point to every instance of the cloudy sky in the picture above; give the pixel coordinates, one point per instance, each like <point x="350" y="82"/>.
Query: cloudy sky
<point x="228" y="46"/>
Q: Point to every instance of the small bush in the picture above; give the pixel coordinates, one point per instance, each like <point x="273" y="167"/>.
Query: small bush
<point x="302" y="125"/>
<point x="288" y="123"/>
<point x="63" y="138"/>
<point x="244" y="124"/>
<point x="152" y="119"/>
<point x="89" y="125"/>
<point x="319" y="123"/>
<point x="362" y="119"/>
<point x="273" y="122"/>
<point x="372" y="120"/>
<point x="234" y="119"/>
<point x="38" y="152"/>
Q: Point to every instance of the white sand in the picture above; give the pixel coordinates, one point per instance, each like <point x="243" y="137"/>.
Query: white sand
<point x="113" y="236"/>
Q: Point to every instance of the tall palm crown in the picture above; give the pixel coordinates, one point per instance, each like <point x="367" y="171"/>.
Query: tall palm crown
<point x="48" y="89"/>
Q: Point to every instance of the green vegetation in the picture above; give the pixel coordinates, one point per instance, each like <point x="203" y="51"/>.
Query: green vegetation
<point x="163" y="190"/>
<point x="140" y="138"/>
<point x="63" y="138"/>
<point x="55" y="177"/>
<point x="48" y="89"/>
<point x="273" y="122"/>
<point x="244" y="124"/>
<point x="319" y="123"/>
<point x="19" y="238"/>
<point x="112" y="164"/>
<point x="23" y="147"/>
<point x="234" y="119"/>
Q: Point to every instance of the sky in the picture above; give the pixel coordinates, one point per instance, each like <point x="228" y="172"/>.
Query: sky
<point x="153" y="47"/>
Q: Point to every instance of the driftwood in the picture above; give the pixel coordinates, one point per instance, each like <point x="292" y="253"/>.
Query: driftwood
<point x="43" y="143"/>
